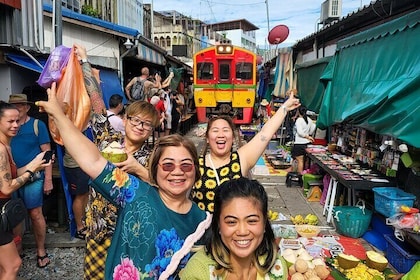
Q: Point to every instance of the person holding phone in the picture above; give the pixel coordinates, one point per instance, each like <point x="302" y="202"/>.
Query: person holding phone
<point x="32" y="138"/>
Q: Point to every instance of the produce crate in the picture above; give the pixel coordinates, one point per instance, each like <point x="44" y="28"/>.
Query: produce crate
<point x="400" y="255"/>
<point x="388" y="200"/>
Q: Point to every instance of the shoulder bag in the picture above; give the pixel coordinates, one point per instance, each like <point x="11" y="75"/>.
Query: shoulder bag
<point x="12" y="214"/>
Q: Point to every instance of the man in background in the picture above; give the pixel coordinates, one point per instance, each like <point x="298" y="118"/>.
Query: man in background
<point x="116" y="106"/>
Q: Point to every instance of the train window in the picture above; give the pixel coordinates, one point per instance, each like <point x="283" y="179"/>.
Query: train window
<point x="244" y="70"/>
<point x="205" y="71"/>
<point x="224" y="71"/>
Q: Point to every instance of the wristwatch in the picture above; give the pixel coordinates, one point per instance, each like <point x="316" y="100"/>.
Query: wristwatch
<point x="84" y="60"/>
<point x="31" y="175"/>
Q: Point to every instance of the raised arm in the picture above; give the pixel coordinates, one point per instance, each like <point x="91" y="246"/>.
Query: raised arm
<point x="250" y="152"/>
<point x="91" y="83"/>
<point x="84" y="152"/>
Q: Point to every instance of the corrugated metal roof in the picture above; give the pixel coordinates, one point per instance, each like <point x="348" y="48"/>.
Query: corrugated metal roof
<point x="95" y="21"/>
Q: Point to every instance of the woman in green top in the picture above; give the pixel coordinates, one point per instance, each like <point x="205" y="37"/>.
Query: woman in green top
<point x="242" y="243"/>
<point x="153" y="219"/>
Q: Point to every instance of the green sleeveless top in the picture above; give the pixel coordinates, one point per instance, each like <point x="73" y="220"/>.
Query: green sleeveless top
<point x="203" y="190"/>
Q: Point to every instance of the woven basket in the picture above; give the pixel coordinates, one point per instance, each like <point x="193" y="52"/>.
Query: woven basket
<point x="352" y="221"/>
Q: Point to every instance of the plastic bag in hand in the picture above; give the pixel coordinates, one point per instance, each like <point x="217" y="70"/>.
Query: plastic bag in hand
<point x="56" y="62"/>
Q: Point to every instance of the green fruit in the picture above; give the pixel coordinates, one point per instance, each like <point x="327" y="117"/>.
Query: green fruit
<point x="311" y="219"/>
<point x="114" y="157"/>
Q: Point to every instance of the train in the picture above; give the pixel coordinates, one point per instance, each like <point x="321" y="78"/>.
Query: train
<point x="225" y="83"/>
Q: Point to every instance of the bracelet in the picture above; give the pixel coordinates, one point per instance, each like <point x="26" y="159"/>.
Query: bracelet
<point x="84" y="60"/>
<point x="31" y="174"/>
<point x="284" y="108"/>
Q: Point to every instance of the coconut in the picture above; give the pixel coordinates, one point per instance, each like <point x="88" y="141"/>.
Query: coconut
<point x="376" y="261"/>
<point x="114" y="152"/>
<point x="305" y="256"/>
<point x="301" y="266"/>
<point x="289" y="257"/>
<point x="322" y="271"/>
<point x="347" y="261"/>
<point x="297" y="276"/>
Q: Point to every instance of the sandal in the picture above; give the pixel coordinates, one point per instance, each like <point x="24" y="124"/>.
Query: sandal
<point x="40" y="259"/>
<point x="81" y="234"/>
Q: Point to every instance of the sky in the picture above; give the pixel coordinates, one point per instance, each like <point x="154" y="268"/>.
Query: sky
<point x="300" y="16"/>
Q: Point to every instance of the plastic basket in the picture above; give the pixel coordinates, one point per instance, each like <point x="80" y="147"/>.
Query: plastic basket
<point x="352" y="221"/>
<point x="400" y="255"/>
<point x="388" y="200"/>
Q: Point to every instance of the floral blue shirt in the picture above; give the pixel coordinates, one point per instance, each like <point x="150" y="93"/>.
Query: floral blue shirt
<point x="147" y="233"/>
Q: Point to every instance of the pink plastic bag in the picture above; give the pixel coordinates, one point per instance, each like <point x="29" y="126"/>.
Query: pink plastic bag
<point x="56" y="62"/>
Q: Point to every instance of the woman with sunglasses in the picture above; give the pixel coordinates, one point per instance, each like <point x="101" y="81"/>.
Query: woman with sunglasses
<point x="222" y="163"/>
<point x="139" y="121"/>
<point x="153" y="219"/>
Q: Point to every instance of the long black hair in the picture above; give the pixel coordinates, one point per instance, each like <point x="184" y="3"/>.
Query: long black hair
<point x="302" y="111"/>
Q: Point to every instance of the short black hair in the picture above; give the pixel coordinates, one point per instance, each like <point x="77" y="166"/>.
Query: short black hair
<point x="115" y="100"/>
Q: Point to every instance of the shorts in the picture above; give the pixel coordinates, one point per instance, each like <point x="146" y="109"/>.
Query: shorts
<point x="78" y="180"/>
<point x="168" y="121"/>
<point x="5" y="237"/>
<point x="32" y="194"/>
<point x="299" y="150"/>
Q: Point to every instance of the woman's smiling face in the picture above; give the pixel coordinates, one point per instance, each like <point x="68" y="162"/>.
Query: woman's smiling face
<point x="242" y="226"/>
<point x="179" y="181"/>
<point x="220" y="137"/>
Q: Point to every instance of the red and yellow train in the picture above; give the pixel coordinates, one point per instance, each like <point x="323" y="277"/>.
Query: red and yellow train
<point x="225" y="83"/>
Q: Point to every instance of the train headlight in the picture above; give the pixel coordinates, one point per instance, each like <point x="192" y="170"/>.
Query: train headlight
<point x="224" y="49"/>
<point x="248" y="100"/>
<point x="200" y="100"/>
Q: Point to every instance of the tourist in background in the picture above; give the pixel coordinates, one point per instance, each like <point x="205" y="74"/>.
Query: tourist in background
<point x="33" y="138"/>
<point x="11" y="179"/>
<point x="304" y="128"/>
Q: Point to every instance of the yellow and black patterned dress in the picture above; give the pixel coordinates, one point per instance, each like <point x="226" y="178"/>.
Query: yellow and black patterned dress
<point x="203" y="191"/>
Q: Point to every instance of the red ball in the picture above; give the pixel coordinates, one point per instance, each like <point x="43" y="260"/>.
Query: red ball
<point x="278" y="34"/>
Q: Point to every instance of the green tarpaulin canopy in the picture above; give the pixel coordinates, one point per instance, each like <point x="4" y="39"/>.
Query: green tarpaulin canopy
<point x="373" y="81"/>
<point x="310" y="89"/>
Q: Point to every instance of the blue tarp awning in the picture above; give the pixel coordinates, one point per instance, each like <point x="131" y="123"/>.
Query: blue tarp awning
<point x="110" y="84"/>
<point x="25" y="62"/>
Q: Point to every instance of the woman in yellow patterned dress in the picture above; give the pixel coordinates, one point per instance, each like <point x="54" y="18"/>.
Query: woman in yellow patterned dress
<point x="222" y="163"/>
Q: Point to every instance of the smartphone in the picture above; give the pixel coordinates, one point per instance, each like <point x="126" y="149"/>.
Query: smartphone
<point x="48" y="156"/>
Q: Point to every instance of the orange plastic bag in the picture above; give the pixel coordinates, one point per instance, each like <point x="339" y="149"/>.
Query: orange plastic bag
<point x="72" y="95"/>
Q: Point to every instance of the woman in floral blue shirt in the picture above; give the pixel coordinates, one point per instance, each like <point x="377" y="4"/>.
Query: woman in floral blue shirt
<point x="153" y="219"/>
<point x="242" y="242"/>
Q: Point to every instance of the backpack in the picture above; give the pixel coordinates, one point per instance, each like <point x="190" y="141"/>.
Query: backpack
<point x="138" y="90"/>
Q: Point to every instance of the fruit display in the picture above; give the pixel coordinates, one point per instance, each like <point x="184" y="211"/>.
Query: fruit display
<point x="307" y="231"/>
<point x="272" y="215"/>
<point x="354" y="269"/>
<point x="376" y="261"/>
<point x="303" y="266"/>
<point x="309" y="219"/>
<point x="347" y="261"/>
